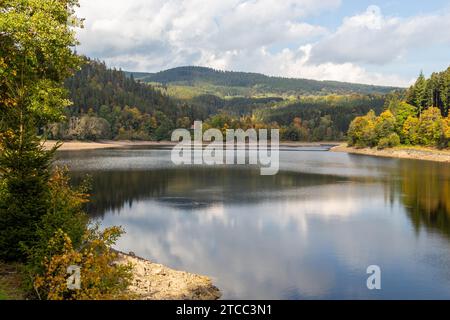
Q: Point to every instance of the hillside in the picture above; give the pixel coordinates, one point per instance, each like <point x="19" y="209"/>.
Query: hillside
<point x="96" y="85"/>
<point x="109" y="103"/>
<point x="259" y="83"/>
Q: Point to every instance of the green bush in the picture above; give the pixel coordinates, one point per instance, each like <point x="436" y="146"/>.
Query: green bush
<point x="393" y="140"/>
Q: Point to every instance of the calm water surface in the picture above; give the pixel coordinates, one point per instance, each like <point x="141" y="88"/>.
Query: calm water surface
<point x="308" y="233"/>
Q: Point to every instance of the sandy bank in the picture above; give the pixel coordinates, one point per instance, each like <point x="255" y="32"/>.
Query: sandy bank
<point x="108" y="144"/>
<point x="403" y="152"/>
<point x="156" y="282"/>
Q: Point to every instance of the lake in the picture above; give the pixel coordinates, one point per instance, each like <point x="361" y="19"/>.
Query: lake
<point x="309" y="232"/>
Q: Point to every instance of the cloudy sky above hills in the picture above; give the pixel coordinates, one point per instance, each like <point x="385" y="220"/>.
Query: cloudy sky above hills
<point x="376" y="42"/>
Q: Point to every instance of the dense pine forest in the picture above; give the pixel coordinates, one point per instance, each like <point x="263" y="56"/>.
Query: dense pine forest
<point x="432" y="92"/>
<point x="112" y="104"/>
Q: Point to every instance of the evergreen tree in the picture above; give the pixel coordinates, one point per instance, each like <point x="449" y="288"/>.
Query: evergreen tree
<point x="420" y="93"/>
<point x="36" y="55"/>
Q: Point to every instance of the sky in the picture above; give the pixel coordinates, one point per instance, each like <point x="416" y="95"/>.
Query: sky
<point x="383" y="42"/>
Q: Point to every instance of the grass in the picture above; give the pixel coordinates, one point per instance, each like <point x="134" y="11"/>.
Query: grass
<point x="11" y="281"/>
<point x="3" y="296"/>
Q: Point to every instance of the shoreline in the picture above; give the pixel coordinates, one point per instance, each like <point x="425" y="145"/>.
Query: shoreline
<point x="111" y="144"/>
<point x="104" y="144"/>
<point x="152" y="281"/>
<point x="402" y="152"/>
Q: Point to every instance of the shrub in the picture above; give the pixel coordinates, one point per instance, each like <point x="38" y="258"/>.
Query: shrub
<point x="101" y="277"/>
<point x="64" y="239"/>
<point x="393" y="140"/>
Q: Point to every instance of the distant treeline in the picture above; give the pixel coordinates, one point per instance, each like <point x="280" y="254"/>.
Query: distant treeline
<point x="111" y="104"/>
<point x="192" y="75"/>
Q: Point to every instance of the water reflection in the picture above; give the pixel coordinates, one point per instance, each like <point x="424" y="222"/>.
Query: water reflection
<point x="193" y="187"/>
<point x="425" y="192"/>
<point x="309" y="232"/>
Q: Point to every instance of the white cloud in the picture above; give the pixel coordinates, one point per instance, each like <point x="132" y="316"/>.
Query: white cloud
<point x="373" y="38"/>
<point x="267" y="36"/>
<point x="192" y="26"/>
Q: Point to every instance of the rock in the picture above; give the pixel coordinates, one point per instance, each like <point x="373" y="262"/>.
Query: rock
<point x="153" y="281"/>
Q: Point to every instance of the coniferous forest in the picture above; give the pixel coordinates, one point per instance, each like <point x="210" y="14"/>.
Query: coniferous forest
<point x="111" y="104"/>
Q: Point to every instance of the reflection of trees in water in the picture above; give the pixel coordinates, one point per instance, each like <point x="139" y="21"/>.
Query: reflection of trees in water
<point x="423" y="187"/>
<point x="111" y="190"/>
<point x="425" y="192"/>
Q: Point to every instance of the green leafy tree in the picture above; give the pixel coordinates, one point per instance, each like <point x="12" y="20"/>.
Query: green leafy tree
<point x="391" y="141"/>
<point x="430" y="127"/>
<point x="446" y="132"/>
<point x="362" y="131"/>
<point x="36" y="55"/>
<point x="165" y="127"/>
<point x="410" y="133"/>
<point x="402" y="111"/>
<point x="38" y="208"/>
<point x="184" y="122"/>
<point x="93" y="128"/>
<point x="385" y="124"/>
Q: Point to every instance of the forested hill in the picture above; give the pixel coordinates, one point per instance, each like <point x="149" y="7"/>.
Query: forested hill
<point x="96" y="85"/>
<point x="109" y="103"/>
<point x="193" y="76"/>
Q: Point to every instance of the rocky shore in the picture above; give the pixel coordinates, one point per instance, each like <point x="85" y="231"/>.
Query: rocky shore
<point x="153" y="281"/>
<point x="403" y="152"/>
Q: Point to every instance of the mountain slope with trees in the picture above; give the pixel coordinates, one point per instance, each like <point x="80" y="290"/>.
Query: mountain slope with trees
<point x="111" y="104"/>
<point x="198" y="76"/>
